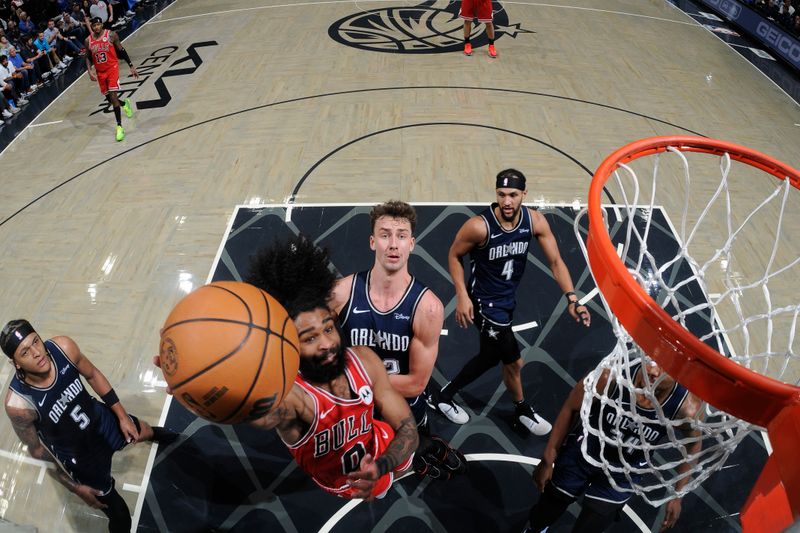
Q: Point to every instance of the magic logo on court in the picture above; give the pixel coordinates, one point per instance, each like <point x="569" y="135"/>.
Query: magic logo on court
<point x="432" y="27"/>
<point x="160" y="65"/>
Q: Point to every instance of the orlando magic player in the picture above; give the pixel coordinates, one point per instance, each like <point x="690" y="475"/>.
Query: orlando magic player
<point x="54" y="415"/>
<point x="573" y="475"/>
<point x="389" y="310"/>
<point x="497" y="241"/>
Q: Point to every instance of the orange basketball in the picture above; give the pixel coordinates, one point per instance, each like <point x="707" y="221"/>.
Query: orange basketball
<point x="229" y="351"/>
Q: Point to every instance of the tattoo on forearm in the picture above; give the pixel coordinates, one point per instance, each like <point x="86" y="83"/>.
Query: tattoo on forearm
<point x="404" y="442"/>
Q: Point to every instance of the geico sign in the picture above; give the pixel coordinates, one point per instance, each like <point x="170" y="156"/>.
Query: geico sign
<point x="782" y="42"/>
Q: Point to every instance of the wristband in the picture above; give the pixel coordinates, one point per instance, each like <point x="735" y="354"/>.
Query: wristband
<point x="110" y="398"/>
<point x="568" y="294"/>
<point x="383" y="466"/>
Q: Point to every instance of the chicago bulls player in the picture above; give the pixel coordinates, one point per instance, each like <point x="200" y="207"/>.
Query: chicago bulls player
<point x="105" y="51"/>
<point x="326" y="421"/>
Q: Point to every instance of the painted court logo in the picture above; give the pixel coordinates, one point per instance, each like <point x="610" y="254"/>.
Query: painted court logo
<point x="432" y="27"/>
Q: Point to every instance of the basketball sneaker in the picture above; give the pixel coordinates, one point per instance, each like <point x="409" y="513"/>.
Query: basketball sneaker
<point x="127" y="108"/>
<point x="120" y="133"/>
<point x="492" y="51"/>
<point x="467" y="49"/>
<point x="531" y="420"/>
<point x="449" y="409"/>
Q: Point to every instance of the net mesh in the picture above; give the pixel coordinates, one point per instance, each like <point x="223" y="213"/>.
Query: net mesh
<point x="726" y="272"/>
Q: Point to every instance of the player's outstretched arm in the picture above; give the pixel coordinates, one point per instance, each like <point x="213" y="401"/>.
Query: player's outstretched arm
<point x="424" y="347"/>
<point x="566" y="418"/>
<point x="547" y="241"/>
<point x="692" y="408"/>
<point x="89" y="64"/>
<point x="473" y="233"/>
<point x="100" y="385"/>
<point x="394" y="410"/>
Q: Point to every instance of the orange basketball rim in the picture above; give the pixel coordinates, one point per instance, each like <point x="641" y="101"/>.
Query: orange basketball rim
<point x="774" y="502"/>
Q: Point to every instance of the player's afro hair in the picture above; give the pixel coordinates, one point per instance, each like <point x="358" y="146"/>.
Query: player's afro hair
<point x="295" y="272"/>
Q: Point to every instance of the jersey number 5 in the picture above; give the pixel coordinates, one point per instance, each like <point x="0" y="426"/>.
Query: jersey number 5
<point x="351" y="459"/>
<point x="80" y="417"/>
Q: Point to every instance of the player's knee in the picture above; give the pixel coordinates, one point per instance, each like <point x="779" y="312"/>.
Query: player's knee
<point x="514" y="367"/>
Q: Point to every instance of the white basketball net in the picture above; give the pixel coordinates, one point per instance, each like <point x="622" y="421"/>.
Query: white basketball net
<point x="734" y="264"/>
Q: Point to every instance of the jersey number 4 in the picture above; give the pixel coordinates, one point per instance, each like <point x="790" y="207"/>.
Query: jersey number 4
<point x="508" y="269"/>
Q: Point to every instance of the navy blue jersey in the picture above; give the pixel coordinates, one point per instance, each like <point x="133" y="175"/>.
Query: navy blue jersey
<point x="623" y="428"/>
<point x="497" y="266"/>
<point x="68" y="416"/>
<point x="389" y="333"/>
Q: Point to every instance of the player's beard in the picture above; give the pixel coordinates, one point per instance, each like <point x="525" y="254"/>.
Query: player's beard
<point x="513" y="216"/>
<point x="314" y="371"/>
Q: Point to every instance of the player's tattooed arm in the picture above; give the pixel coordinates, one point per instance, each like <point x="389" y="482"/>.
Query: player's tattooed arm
<point x="22" y="420"/>
<point x="400" y="448"/>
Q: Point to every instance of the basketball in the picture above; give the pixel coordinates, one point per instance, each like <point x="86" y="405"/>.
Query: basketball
<point x="229" y="351"/>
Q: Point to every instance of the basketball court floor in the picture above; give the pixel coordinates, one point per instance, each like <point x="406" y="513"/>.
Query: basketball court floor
<point x="251" y="109"/>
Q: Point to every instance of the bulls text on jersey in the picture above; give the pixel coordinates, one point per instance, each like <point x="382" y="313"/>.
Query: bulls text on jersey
<point x="339" y="434"/>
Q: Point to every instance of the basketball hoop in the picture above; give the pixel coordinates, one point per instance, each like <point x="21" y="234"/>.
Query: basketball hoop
<point x="706" y="363"/>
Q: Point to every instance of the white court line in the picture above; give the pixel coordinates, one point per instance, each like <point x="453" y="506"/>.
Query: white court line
<point x="474" y="457"/>
<point x="591" y="294"/>
<point x="45" y="123"/>
<point x="131" y="488"/>
<point x="523" y="327"/>
<point x="24" y="458"/>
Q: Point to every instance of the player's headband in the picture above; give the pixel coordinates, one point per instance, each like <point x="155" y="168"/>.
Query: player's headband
<point x="510" y="179"/>
<point x="13" y="334"/>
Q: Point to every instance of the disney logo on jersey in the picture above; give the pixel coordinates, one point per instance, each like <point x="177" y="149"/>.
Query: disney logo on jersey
<point x="401" y="316"/>
<point x="524" y="230"/>
<point x="432" y="27"/>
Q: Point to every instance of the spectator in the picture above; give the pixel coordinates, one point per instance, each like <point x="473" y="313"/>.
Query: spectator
<point x="36" y="57"/>
<point x="796" y="26"/>
<point x="27" y="69"/>
<point x="12" y="31"/>
<point x="72" y="29"/>
<point x="26" y="25"/>
<point x="61" y="44"/>
<point x="42" y="44"/>
<point x="10" y="75"/>
<point x="11" y="94"/>
<point x="786" y="13"/>
<point x="103" y="11"/>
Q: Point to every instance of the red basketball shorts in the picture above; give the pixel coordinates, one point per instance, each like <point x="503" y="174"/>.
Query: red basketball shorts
<point x="108" y="79"/>
<point x="480" y="9"/>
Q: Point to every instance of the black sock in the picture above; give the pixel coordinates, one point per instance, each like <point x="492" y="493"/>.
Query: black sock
<point x="491" y="41"/>
<point x="519" y="403"/>
<point x="466" y="40"/>
<point x="163" y="435"/>
<point x="118" y="114"/>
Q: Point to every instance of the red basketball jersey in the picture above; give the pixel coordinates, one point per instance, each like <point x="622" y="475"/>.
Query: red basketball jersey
<point x="343" y="431"/>
<point x="104" y="55"/>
